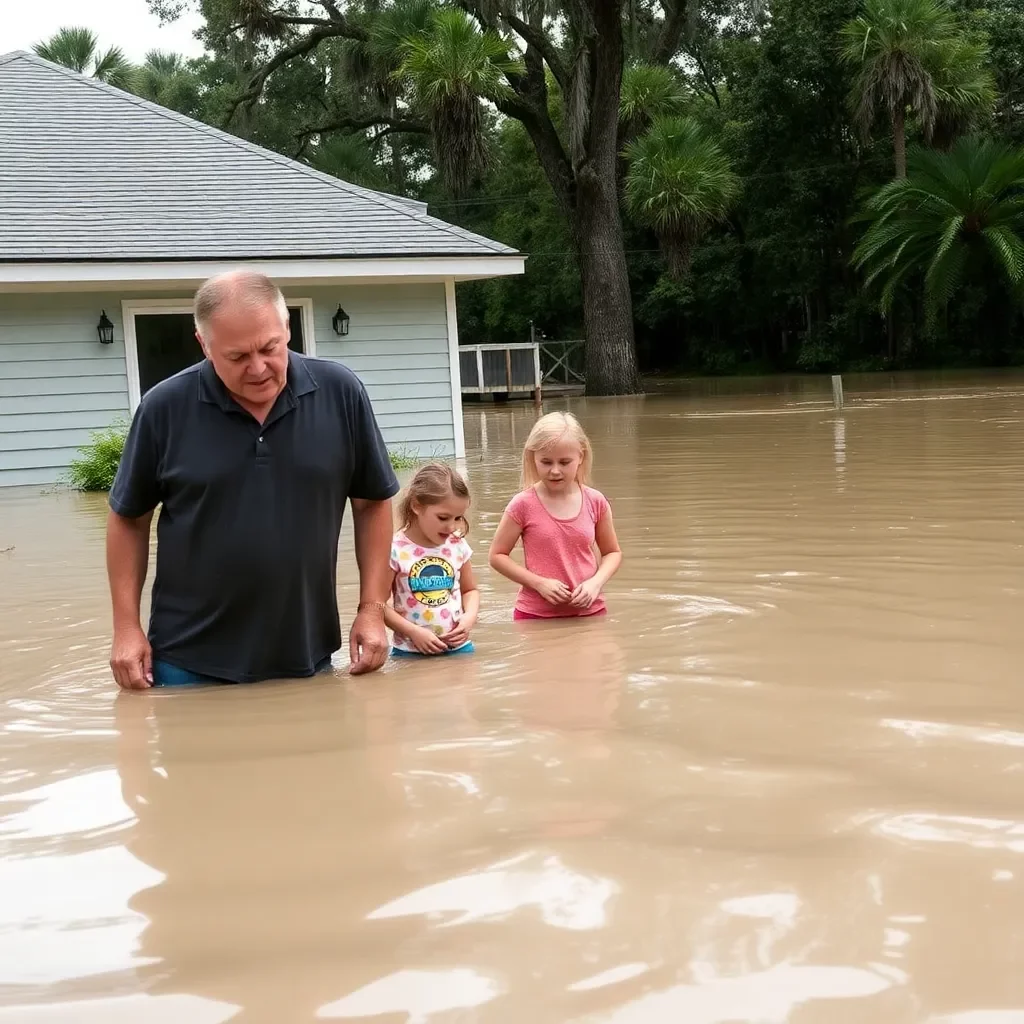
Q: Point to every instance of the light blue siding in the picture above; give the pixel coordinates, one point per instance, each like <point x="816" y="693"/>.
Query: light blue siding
<point x="58" y="384"/>
<point x="398" y="347"/>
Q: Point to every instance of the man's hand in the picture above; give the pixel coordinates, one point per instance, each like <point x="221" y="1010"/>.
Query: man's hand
<point x="367" y="641"/>
<point x="131" y="659"/>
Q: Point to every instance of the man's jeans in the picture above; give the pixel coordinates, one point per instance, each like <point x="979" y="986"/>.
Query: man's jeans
<point x="165" y="674"/>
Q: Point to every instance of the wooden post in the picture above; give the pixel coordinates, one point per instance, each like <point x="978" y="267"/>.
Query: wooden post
<point x="508" y="370"/>
<point x="537" y="379"/>
<point x="837" y="391"/>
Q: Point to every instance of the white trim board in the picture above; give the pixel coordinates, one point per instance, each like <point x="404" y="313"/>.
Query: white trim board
<point x="131" y="308"/>
<point x="90" y="276"/>
<point x="455" y="368"/>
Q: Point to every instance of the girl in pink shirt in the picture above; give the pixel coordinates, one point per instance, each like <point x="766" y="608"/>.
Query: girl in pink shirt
<point x="561" y="521"/>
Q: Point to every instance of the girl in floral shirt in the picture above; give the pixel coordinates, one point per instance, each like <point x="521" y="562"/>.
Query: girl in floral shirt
<point x="434" y="597"/>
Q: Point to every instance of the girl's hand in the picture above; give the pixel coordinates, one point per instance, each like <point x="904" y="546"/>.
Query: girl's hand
<point x="553" y="591"/>
<point x="426" y="641"/>
<point x="459" y="633"/>
<point x="585" y="594"/>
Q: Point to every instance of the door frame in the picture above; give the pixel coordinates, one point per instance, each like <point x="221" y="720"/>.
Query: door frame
<point x="131" y="308"/>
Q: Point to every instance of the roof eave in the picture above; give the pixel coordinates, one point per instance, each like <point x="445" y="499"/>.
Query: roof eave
<point x="95" y="275"/>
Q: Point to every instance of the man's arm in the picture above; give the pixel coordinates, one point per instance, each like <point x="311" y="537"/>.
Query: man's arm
<point x="133" y="498"/>
<point x="131" y="658"/>
<point x="373" y="526"/>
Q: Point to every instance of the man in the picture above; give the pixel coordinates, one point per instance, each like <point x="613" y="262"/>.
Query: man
<point x="252" y="453"/>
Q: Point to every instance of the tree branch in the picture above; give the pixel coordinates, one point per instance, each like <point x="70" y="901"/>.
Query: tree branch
<point x="287" y="19"/>
<point x="356" y="124"/>
<point x="705" y="74"/>
<point x="301" y="46"/>
<point x="332" y="10"/>
<point x="671" y="31"/>
<point x="537" y="38"/>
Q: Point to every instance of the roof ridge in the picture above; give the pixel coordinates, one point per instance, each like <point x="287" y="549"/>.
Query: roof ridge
<point x="394" y="204"/>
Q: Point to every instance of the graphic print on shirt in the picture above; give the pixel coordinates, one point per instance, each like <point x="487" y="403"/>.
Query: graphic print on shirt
<point x="426" y="589"/>
<point x="431" y="581"/>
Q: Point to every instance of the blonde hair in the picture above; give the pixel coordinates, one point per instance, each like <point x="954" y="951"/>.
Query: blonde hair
<point x="430" y="486"/>
<point x="548" y="431"/>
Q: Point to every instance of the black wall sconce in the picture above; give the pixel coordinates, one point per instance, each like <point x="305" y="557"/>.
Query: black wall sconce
<point x="340" y="322"/>
<point x="105" y="329"/>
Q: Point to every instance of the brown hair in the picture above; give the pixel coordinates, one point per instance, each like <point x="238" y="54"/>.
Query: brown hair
<point x="430" y="486"/>
<point x="549" y="430"/>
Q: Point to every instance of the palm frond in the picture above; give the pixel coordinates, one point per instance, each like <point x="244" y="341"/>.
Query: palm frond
<point x="679" y="183"/>
<point x="452" y="66"/>
<point x="648" y="91"/>
<point x="72" y="47"/>
<point x="951" y="208"/>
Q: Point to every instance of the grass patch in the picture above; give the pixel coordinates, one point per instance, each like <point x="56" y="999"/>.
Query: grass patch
<point x="97" y="462"/>
<point x="402" y="458"/>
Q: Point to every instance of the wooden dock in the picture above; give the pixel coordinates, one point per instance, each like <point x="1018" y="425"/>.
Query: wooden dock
<point x="523" y="369"/>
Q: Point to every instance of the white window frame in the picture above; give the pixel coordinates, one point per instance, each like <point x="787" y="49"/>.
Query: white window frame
<point x="131" y="308"/>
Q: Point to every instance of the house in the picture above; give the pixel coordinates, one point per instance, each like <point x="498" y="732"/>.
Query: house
<point x="114" y="209"/>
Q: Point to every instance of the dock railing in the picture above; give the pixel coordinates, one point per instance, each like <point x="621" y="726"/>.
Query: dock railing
<point x="562" y="364"/>
<point x="500" y="369"/>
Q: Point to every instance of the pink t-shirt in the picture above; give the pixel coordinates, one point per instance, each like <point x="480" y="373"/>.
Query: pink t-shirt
<point x="558" y="549"/>
<point x="426" y="590"/>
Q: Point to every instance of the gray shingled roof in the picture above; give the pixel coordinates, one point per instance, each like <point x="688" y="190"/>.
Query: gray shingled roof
<point x="88" y="172"/>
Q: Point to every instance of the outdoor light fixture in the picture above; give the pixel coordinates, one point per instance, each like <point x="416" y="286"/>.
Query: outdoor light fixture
<point x="105" y="329"/>
<point x="340" y="321"/>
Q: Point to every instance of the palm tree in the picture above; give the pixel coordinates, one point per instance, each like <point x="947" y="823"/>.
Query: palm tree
<point x="679" y="184"/>
<point x="450" y="67"/>
<point x="78" y="49"/>
<point x="370" y="71"/>
<point x="896" y="47"/>
<point x="349" y="157"/>
<point x="165" y="78"/>
<point x="648" y="91"/>
<point x="954" y="210"/>
<point x="964" y="89"/>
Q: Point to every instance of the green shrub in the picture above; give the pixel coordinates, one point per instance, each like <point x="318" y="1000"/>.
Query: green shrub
<point x="403" y="459"/>
<point x="96" y="466"/>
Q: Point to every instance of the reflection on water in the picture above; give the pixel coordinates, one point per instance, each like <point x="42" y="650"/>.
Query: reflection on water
<point x="781" y="781"/>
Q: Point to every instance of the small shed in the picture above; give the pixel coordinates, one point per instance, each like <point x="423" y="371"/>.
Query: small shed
<point x="114" y="209"/>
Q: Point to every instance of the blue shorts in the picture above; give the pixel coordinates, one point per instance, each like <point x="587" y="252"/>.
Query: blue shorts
<point x="466" y="648"/>
<point x="166" y="674"/>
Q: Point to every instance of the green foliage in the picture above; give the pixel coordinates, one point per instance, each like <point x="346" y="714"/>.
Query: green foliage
<point x="403" y="459"/>
<point x="679" y="183"/>
<point x="953" y="210"/>
<point x="78" y="48"/>
<point x="451" y="67"/>
<point x="648" y="91"/>
<point x="914" y="54"/>
<point x="772" y="285"/>
<point x="96" y="465"/>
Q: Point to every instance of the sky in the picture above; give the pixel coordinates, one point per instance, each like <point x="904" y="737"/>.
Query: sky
<point x="124" y="23"/>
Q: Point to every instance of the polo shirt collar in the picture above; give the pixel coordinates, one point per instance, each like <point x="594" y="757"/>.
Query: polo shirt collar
<point x="300" y="382"/>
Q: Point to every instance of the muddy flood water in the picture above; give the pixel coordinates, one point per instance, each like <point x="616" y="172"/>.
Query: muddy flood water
<point x="782" y="781"/>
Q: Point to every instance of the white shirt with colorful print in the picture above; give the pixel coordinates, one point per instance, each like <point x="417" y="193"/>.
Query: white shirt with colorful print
<point x="426" y="590"/>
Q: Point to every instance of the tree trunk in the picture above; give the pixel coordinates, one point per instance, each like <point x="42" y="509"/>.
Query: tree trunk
<point x="899" y="141"/>
<point x="610" y="353"/>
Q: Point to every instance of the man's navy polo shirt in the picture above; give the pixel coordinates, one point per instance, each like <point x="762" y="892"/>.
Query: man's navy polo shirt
<point x="247" y="538"/>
